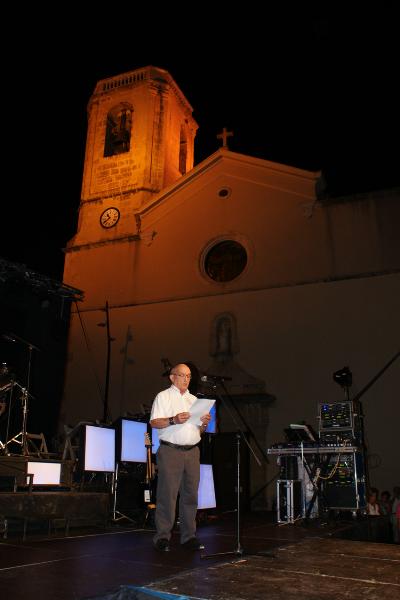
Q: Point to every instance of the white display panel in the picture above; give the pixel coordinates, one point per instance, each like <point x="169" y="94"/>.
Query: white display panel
<point x="206" y="496"/>
<point x="154" y="440"/>
<point x="212" y="426"/>
<point x="133" y="447"/>
<point x="99" y="448"/>
<point x="44" y="473"/>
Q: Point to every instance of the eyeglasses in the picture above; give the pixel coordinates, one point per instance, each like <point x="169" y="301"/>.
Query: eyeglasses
<point x="182" y="375"/>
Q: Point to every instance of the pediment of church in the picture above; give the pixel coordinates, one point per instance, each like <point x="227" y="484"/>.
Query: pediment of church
<point x="211" y="177"/>
<point x="219" y="228"/>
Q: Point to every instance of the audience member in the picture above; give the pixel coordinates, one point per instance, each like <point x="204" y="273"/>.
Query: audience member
<point x="395" y="514"/>
<point x="385" y="503"/>
<point x="372" y="504"/>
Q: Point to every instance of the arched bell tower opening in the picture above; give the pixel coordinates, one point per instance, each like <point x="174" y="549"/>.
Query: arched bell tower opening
<point x="118" y="130"/>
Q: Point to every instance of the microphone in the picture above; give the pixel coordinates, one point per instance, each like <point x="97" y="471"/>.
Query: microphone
<point x="208" y="378"/>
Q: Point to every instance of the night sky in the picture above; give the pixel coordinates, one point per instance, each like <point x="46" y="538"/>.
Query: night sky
<point x="313" y="89"/>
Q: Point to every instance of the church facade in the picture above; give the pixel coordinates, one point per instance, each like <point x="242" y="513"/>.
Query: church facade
<point x="235" y="265"/>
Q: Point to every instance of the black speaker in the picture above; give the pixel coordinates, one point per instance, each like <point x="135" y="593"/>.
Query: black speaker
<point x="130" y="487"/>
<point x="224" y="453"/>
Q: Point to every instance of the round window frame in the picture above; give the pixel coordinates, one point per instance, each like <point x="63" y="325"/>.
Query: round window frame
<point x="223" y="189"/>
<point x="239" y="239"/>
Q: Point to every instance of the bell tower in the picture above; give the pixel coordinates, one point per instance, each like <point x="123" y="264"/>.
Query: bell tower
<point x="140" y="139"/>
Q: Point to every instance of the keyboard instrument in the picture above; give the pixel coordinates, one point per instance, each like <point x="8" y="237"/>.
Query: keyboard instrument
<point x="295" y="450"/>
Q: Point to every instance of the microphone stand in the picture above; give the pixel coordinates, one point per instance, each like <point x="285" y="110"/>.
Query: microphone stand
<point x="239" y="550"/>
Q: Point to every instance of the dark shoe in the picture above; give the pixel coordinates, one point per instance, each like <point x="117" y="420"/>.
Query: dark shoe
<point x="193" y="544"/>
<point x="162" y="545"/>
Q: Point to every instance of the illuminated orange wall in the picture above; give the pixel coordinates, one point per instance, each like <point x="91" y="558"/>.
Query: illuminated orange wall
<point x="306" y="305"/>
<point x="321" y="288"/>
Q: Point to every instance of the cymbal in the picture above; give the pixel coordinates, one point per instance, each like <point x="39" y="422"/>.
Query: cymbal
<point x="7" y="386"/>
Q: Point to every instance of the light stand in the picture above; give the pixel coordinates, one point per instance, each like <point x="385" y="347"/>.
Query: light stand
<point x="345" y="379"/>
<point x="116" y="514"/>
<point x="239" y="550"/>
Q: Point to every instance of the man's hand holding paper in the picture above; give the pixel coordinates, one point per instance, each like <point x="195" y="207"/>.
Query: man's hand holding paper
<point x="201" y="407"/>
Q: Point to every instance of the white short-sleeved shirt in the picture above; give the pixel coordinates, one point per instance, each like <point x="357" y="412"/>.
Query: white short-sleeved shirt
<point x="373" y="510"/>
<point x="169" y="403"/>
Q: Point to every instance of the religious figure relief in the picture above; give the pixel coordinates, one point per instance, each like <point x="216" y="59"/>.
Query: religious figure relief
<point x="118" y="130"/>
<point x="224" y="340"/>
<point x="224" y="337"/>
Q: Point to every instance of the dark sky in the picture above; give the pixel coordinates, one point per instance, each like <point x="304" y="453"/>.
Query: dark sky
<point x="307" y="87"/>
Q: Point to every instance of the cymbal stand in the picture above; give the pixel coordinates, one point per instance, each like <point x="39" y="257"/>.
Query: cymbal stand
<point x="23" y="441"/>
<point x="21" y="438"/>
<point x="2" y="409"/>
<point x="3" y="447"/>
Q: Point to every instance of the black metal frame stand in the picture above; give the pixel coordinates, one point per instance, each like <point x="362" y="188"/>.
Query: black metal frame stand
<point x="115" y="512"/>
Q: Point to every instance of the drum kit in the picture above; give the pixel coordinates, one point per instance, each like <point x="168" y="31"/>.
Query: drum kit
<point x="9" y="390"/>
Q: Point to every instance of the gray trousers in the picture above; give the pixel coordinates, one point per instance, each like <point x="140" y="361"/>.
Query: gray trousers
<point x="178" y="471"/>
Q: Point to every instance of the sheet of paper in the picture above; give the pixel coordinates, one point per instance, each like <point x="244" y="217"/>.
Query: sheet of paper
<point x="201" y="407"/>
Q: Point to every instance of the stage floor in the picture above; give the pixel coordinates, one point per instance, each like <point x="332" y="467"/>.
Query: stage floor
<point x="300" y="561"/>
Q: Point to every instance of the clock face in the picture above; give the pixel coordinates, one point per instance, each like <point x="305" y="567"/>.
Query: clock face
<point x="109" y="217"/>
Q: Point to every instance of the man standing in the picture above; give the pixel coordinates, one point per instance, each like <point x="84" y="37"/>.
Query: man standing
<point x="178" y="460"/>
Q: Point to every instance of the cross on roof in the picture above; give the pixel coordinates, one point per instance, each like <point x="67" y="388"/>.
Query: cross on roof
<point x="224" y="137"/>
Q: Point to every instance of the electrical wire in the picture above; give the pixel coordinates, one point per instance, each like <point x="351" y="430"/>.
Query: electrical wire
<point x="99" y="387"/>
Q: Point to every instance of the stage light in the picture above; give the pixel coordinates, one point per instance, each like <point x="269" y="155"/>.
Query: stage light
<point x="343" y="377"/>
<point x="99" y="448"/>
<point x="206" y="494"/>
<point x="44" y="473"/>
